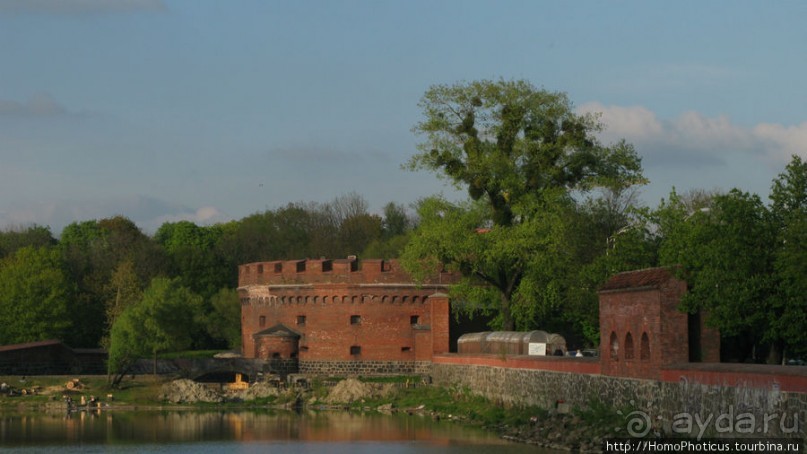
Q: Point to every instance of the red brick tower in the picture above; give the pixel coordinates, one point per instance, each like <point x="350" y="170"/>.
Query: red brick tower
<point x="641" y="329"/>
<point x="343" y="311"/>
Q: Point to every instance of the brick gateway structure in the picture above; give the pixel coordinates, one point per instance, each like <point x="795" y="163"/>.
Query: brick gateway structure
<point x="642" y="330"/>
<point x="343" y="316"/>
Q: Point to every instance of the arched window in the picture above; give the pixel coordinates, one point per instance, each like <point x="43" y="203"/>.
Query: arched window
<point x="628" y="346"/>
<point x="614" y="347"/>
<point x="644" y="349"/>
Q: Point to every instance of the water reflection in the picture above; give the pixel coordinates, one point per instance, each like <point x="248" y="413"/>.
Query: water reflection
<point x="237" y="427"/>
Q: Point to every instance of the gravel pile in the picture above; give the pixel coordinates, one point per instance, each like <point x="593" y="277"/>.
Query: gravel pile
<point x="188" y="391"/>
<point x="351" y="390"/>
<point x="257" y="391"/>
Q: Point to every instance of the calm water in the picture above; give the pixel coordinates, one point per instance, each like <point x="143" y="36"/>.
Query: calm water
<point x="242" y="432"/>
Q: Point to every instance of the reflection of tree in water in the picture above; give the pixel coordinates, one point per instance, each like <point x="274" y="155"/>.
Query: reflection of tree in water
<point x="155" y="426"/>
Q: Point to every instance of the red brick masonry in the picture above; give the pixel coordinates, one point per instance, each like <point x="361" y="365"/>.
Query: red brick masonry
<point x="342" y="310"/>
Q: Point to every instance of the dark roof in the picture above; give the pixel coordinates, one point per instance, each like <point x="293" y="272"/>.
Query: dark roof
<point x="44" y="343"/>
<point x="646" y="278"/>
<point x="279" y="330"/>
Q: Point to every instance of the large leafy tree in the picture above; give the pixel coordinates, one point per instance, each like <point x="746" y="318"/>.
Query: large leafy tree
<point x="223" y="322"/>
<point x="725" y="253"/>
<point x="789" y="217"/>
<point x="124" y="290"/>
<point x="35" y="296"/>
<point x="93" y="250"/>
<point x="193" y="256"/>
<point x="165" y="319"/>
<point x="520" y="152"/>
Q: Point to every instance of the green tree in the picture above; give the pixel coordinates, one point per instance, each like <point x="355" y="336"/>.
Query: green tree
<point x="396" y="221"/>
<point x="35" y="296"/>
<point x="165" y="319"/>
<point x="356" y="232"/>
<point x="396" y="227"/>
<point x="124" y="290"/>
<point x="192" y="252"/>
<point x="343" y="226"/>
<point x="127" y="344"/>
<point x="390" y="248"/>
<point x="609" y="234"/>
<point x="13" y="239"/>
<point x="92" y="251"/>
<point x="725" y="251"/>
<point x="789" y="216"/>
<point x="224" y="320"/>
<point x="520" y="152"/>
<point x="513" y="273"/>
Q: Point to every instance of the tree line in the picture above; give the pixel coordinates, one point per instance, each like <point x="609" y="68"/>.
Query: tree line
<point x="551" y="214"/>
<point x="76" y="286"/>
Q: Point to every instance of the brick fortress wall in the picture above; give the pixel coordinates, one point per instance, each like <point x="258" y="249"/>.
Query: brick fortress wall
<point x="344" y="315"/>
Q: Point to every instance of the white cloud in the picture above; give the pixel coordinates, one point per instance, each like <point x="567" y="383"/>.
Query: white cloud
<point x="634" y="121"/>
<point x="783" y="141"/>
<point x="699" y="131"/>
<point x="695" y="139"/>
<point x="80" y="6"/>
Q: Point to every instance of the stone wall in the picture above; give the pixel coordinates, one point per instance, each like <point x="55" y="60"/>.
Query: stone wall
<point x="685" y="408"/>
<point x="365" y="368"/>
<point x="196" y="367"/>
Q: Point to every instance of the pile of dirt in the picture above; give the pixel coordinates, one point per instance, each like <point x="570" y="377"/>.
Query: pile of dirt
<point x="351" y="390"/>
<point x="257" y="391"/>
<point x="188" y="391"/>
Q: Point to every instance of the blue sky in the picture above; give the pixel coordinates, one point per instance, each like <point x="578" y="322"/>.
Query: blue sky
<point x="162" y="110"/>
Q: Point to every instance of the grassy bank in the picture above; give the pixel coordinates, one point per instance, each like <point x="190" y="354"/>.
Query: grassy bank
<point x="34" y="392"/>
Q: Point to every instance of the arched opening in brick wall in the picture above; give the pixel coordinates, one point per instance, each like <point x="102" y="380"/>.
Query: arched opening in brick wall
<point x="614" y="343"/>
<point x="628" y="346"/>
<point x="644" y="349"/>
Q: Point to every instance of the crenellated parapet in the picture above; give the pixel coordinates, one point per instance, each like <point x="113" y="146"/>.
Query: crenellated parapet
<point x="332" y="271"/>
